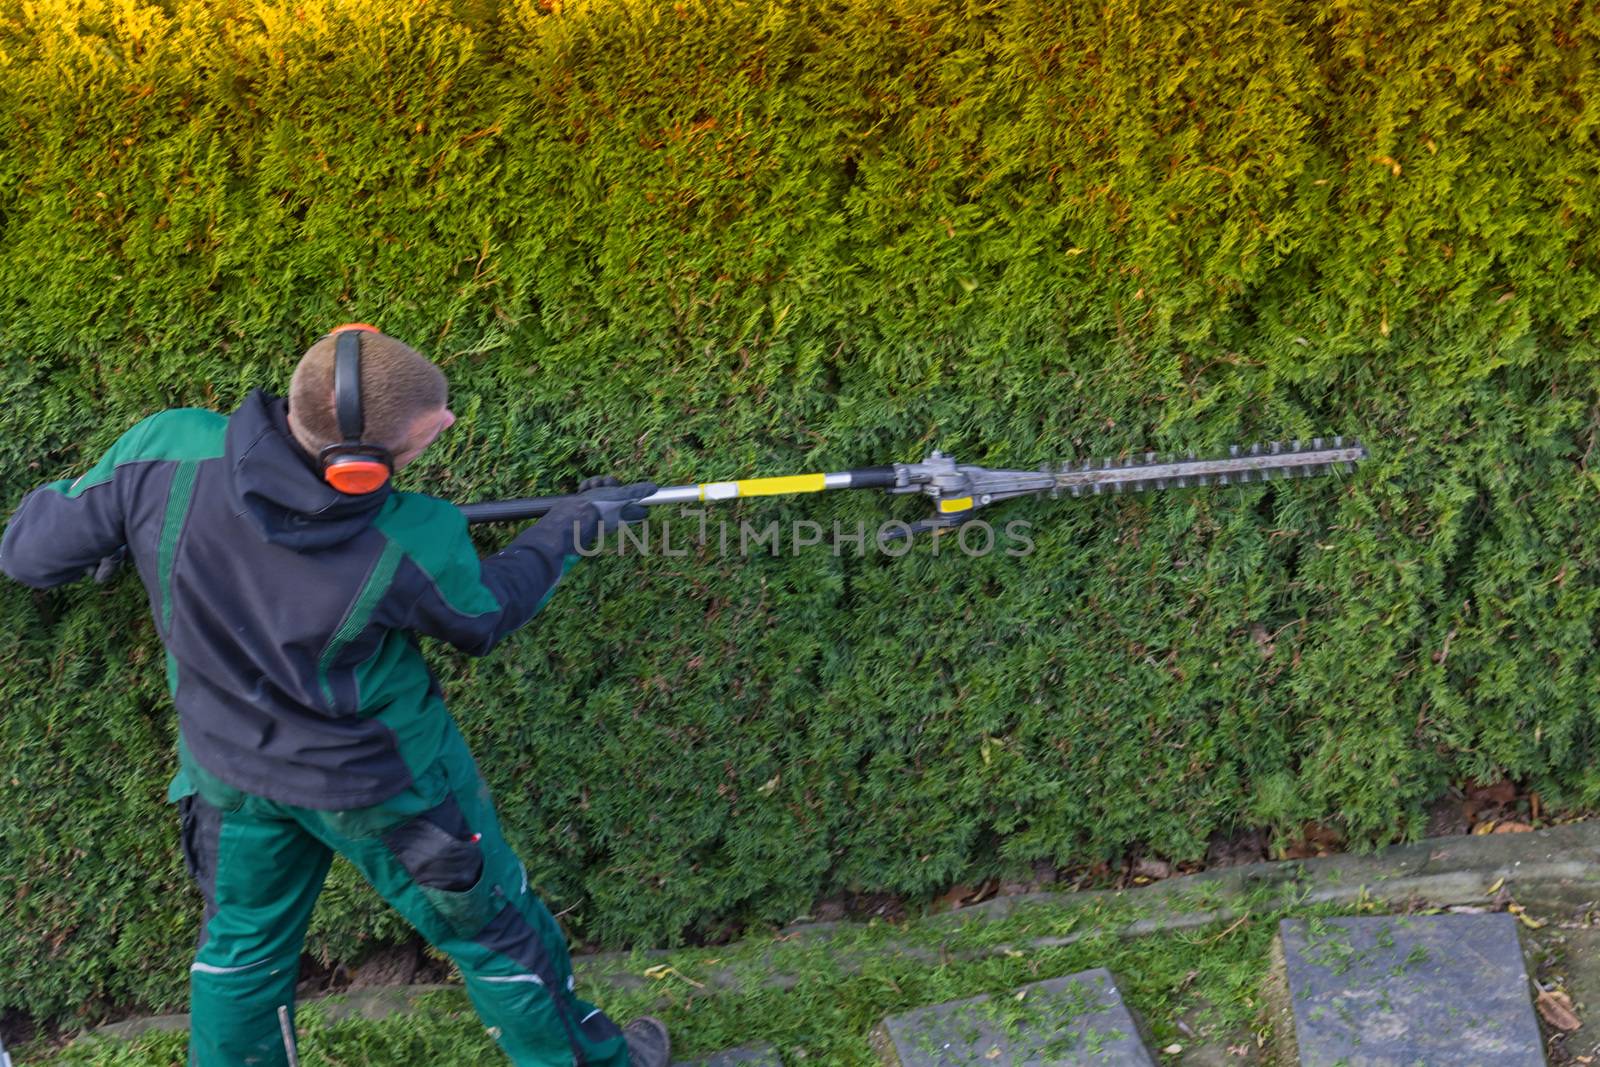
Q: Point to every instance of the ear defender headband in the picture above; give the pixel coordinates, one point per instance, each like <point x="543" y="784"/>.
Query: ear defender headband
<point x="353" y="466"/>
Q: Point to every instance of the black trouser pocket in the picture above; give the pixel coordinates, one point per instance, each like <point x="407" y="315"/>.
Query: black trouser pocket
<point x="200" y="832"/>
<point x="441" y="853"/>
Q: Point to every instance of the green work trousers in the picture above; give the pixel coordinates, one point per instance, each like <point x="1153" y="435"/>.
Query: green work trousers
<point x="434" y="852"/>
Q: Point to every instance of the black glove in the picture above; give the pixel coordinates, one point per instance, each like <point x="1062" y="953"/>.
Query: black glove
<point x="109" y="566"/>
<point x="616" y="503"/>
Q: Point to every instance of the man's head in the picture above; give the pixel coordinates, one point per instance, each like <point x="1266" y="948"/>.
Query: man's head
<point x="403" y="398"/>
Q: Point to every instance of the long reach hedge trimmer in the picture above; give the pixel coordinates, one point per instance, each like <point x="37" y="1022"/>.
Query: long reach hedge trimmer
<point x="958" y="489"/>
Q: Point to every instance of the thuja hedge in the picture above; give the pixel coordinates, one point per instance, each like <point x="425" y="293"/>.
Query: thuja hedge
<point x="699" y="240"/>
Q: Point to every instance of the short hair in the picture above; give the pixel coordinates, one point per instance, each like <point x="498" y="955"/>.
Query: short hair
<point x="398" y="384"/>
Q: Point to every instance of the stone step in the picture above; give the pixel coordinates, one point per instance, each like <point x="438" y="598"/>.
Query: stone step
<point x="1404" y="991"/>
<point x="1075" y="1021"/>
<point x="759" y="1055"/>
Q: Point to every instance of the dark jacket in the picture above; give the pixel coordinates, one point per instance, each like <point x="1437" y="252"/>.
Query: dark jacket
<point x="290" y="610"/>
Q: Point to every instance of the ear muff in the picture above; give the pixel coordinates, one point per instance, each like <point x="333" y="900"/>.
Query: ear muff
<point x="353" y="466"/>
<point x="355" y="475"/>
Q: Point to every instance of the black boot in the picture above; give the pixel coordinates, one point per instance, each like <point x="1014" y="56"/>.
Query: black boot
<point x="648" y="1045"/>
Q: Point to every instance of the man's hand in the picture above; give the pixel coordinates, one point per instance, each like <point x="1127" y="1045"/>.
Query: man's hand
<point x="109" y="566"/>
<point x="616" y="503"/>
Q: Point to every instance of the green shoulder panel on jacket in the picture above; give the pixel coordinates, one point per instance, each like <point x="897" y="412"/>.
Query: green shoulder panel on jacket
<point x="179" y="434"/>
<point x="433" y="534"/>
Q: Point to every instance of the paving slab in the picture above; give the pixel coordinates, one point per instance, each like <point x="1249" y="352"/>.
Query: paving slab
<point x="759" y="1055"/>
<point x="1076" y="1021"/>
<point x="1406" y="991"/>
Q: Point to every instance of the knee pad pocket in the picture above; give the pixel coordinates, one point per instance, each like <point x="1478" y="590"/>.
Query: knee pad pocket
<point x="443" y="856"/>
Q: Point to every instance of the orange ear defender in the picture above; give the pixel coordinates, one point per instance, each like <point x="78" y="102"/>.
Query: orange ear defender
<point x="353" y="466"/>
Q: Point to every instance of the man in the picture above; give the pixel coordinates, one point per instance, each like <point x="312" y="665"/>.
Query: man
<point x="288" y="581"/>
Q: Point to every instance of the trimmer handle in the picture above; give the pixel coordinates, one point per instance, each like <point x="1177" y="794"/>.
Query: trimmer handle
<point x="932" y="524"/>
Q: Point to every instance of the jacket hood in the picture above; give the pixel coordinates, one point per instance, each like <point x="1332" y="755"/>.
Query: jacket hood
<point x="279" y="488"/>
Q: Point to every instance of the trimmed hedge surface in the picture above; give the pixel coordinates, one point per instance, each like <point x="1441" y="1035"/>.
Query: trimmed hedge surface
<point x="696" y="241"/>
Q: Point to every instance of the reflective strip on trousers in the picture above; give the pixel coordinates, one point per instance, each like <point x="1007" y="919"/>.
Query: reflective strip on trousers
<point x="208" y="968"/>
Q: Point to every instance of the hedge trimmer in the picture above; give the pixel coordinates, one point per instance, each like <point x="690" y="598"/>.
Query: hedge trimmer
<point x="958" y="490"/>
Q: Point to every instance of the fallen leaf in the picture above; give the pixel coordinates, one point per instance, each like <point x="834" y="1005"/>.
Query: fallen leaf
<point x="662" y="971"/>
<point x="992" y="1054"/>
<point x="1556" y="1007"/>
<point x="1315" y="840"/>
<point x="1498" y="882"/>
<point x="1172" y="1050"/>
<point x="989" y="888"/>
<point x="1509" y="827"/>
<point x="1501" y="792"/>
<point x="1524" y="918"/>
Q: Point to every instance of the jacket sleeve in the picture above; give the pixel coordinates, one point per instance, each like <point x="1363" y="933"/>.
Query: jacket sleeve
<point x="60" y="531"/>
<point x="473" y="603"/>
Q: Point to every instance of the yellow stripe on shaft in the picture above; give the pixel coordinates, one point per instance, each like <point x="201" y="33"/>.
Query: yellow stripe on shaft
<point x="790" y="483"/>
<point x="960" y="503"/>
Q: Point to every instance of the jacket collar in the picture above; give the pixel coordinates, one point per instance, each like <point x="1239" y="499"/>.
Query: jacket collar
<point x="279" y="488"/>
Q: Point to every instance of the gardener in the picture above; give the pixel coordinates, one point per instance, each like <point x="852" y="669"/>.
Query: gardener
<point x="288" y="581"/>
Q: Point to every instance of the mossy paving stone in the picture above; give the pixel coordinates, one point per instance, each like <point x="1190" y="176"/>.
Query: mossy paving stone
<point x="760" y="1055"/>
<point x="1406" y="991"/>
<point x="1075" y="1021"/>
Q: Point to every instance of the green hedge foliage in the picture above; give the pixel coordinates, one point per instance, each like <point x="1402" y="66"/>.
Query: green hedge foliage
<point x="699" y="240"/>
